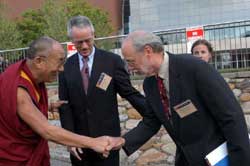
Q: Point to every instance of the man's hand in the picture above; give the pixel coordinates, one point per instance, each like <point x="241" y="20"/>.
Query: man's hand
<point x="116" y="143"/>
<point x="73" y="151"/>
<point x="53" y="107"/>
<point x="101" y="145"/>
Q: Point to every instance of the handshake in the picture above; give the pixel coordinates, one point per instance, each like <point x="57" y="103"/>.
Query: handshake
<point x="103" y="144"/>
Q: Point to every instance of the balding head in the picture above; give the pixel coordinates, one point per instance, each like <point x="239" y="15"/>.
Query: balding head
<point x="143" y="52"/>
<point x="139" y="39"/>
<point x="41" y="46"/>
<point x="45" y="59"/>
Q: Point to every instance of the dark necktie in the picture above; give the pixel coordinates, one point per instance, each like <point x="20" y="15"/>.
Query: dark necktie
<point x="85" y="74"/>
<point x="163" y="96"/>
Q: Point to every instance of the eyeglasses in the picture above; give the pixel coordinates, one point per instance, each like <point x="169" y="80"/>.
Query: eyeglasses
<point x="129" y="62"/>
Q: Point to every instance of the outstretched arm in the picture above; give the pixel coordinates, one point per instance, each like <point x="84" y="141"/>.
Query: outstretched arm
<point x="139" y="135"/>
<point x="29" y="113"/>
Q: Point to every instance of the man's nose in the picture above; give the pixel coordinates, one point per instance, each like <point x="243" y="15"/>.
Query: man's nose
<point x="198" y="54"/>
<point x="61" y="68"/>
<point x="130" y="68"/>
<point x="84" y="44"/>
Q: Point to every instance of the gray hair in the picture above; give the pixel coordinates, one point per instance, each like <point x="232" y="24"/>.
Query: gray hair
<point x="79" y="22"/>
<point x="41" y="45"/>
<point x="141" y="39"/>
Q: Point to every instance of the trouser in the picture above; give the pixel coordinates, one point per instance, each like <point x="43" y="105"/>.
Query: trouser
<point x="94" y="159"/>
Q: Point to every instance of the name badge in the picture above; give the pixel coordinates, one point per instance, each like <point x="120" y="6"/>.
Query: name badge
<point x="103" y="81"/>
<point x="184" y="109"/>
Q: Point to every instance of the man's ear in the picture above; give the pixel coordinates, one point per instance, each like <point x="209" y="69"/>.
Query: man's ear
<point x="39" y="61"/>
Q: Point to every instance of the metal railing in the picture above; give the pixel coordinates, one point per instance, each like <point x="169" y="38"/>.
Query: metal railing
<point x="231" y="43"/>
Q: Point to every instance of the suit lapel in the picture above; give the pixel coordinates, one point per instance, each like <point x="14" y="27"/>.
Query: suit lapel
<point x="154" y="98"/>
<point x="96" y="71"/>
<point x="175" y="87"/>
<point x="175" y="92"/>
<point x="76" y="74"/>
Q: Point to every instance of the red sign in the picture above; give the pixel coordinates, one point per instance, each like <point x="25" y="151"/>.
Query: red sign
<point x="194" y="33"/>
<point x="71" y="47"/>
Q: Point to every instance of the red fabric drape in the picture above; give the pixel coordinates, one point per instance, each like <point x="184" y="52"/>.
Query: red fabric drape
<point x="19" y="144"/>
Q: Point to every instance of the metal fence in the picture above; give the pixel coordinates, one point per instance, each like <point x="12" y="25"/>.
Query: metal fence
<point x="231" y="43"/>
<point x="8" y="57"/>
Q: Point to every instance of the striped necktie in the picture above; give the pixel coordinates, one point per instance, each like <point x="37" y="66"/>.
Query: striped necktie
<point x="163" y="96"/>
<point x="85" y="74"/>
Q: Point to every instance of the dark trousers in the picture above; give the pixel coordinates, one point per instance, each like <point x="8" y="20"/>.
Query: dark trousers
<point x="94" y="159"/>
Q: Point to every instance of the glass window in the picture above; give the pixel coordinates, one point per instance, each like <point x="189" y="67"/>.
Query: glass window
<point x="247" y="34"/>
<point x="217" y="34"/>
<point x="237" y="32"/>
<point x="207" y="35"/>
<point x="211" y="34"/>
<point x="242" y="31"/>
<point x="222" y="33"/>
<point x="232" y="32"/>
<point x="227" y="33"/>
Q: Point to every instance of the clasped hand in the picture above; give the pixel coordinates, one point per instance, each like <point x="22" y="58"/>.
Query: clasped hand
<point x="53" y="106"/>
<point x="101" y="145"/>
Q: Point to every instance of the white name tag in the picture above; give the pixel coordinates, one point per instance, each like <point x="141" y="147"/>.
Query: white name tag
<point x="103" y="81"/>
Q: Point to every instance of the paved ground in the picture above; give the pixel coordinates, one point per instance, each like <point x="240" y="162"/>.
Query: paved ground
<point x="59" y="163"/>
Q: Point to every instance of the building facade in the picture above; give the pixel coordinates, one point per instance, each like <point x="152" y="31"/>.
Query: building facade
<point x="158" y="15"/>
<point x="226" y="24"/>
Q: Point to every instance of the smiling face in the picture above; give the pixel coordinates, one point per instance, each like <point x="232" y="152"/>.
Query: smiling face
<point x="83" y="38"/>
<point x="51" y="64"/>
<point x="55" y="62"/>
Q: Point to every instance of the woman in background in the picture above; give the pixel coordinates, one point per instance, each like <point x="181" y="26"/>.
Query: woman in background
<point x="202" y="49"/>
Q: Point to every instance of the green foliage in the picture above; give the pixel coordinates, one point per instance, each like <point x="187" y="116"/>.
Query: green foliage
<point x="56" y="20"/>
<point x="52" y="18"/>
<point x="233" y="70"/>
<point x="98" y="17"/>
<point x="31" y="26"/>
<point x="9" y="35"/>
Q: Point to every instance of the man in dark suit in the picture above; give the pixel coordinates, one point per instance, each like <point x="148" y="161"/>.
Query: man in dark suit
<point x="190" y="99"/>
<point x="90" y="82"/>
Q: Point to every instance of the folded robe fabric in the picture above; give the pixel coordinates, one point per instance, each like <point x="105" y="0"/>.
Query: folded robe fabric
<point x="19" y="144"/>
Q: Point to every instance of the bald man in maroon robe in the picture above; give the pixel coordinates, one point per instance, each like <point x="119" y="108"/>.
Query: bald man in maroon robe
<point x="24" y="129"/>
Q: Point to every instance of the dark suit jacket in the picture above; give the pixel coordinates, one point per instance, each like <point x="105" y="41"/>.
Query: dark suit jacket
<point x="95" y="114"/>
<point x="219" y="116"/>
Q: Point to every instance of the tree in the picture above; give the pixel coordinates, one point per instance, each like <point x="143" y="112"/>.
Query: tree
<point x="52" y="18"/>
<point x="31" y="25"/>
<point x="97" y="16"/>
<point x="9" y="35"/>
<point x="56" y="19"/>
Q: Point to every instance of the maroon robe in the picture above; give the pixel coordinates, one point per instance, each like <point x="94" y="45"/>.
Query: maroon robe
<point x="19" y="144"/>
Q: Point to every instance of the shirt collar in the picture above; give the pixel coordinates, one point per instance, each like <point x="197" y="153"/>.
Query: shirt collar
<point x="91" y="56"/>
<point x="163" y="72"/>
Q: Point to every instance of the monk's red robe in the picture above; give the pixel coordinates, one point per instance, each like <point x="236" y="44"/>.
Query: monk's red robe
<point x="19" y="144"/>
